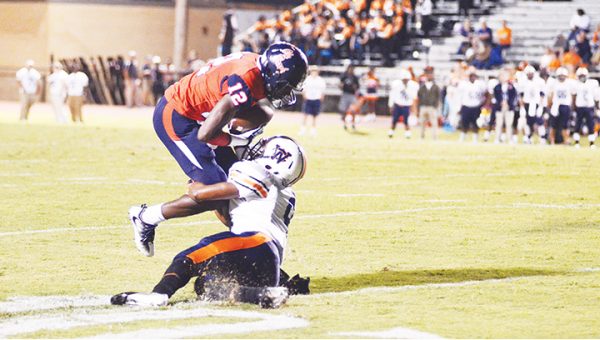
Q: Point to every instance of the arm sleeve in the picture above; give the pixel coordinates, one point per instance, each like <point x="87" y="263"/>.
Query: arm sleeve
<point x="251" y="180"/>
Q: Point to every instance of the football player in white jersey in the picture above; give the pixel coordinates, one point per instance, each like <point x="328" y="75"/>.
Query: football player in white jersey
<point x="402" y="101"/>
<point x="532" y="92"/>
<point x="560" y="94"/>
<point x="474" y="95"/>
<point x="586" y="101"/>
<point x="246" y="259"/>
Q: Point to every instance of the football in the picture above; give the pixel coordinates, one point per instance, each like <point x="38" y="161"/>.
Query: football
<point x="250" y="118"/>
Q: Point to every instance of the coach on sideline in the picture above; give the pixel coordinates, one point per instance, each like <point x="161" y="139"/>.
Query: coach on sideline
<point x="77" y="81"/>
<point x="313" y="93"/>
<point x="30" y="85"/>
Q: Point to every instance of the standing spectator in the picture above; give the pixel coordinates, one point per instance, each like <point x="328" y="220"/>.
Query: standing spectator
<point x="571" y="59"/>
<point x="77" y="81"/>
<point x="402" y="100"/>
<point x="464" y="6"/>
<point x="132" y="81"/>
<point x="349" y="85"/>
<point x="423" y="11"/>
<point x="473" y="94"/>
<point x="158" y="84"/>
<point x="561" y="92"/>
<point x="429" y="103"/>
<point x="147" y="97"/>
<point x="57" y="85"/>
<point x="313" y="93"/>
<point x="504" y="35"/>
<point x="580" y="21"/>
<point x="586" y="100"/>
<point x="228" y="30"/>
<point x="29" y="80"/>
<point x="324" y="48"/>
<point x="505" y="96"/>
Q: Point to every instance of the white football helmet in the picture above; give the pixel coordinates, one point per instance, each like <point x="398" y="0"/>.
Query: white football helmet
<point x="282" y="157"/>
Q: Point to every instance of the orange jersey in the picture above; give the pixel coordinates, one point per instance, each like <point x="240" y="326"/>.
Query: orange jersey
<point x="237" y="74"/>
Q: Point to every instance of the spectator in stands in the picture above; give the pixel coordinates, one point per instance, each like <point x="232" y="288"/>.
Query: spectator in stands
<point x="570" y="59"/>
<point x="429" y="103"/>
<point x="583" y="47"/>
<point x="547" y="58"/>
<point x="77" y="81"/>
<point x="228" y="30"/>
<point x="482" y="52"/>
<point x="464" y="6"/>
<point x="313" y="94"/>
<point x="324" y="48"/>
<point x="484" y="33"/>
<point x="467" y="32"/>
<point x="30" y="85"/>
<point x="504" y="35"/>
<point x="556" y="61"/>
<point x="132" y="81"/>
<point x="57" y="85"/>
<point x="423" y="11"/>
<point x="580" y="21"/>
<point x="349" y="85"/>
<point x="169" y="72"/>
<point x="596" y="38"/>
<point x="560" y="42"/>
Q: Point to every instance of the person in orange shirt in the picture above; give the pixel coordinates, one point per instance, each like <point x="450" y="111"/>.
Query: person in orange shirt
<point x="504" y="35"/>
<point x="571" y="58"/>
<point x="190" y="117"/>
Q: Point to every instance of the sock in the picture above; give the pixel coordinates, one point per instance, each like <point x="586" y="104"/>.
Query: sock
<point x="391" y="133"/>
<point x="176" y="276"/>
<point x="576" y="137"/>
<point x="407" y="134"/>
<point x="153" y="214"/>
<point x="462" y="137"/>
<point x="474" y="138"/>
<point x="592" y="138"/>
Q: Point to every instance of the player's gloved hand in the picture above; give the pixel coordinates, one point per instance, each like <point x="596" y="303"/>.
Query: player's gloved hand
<point x="244" y="139"/>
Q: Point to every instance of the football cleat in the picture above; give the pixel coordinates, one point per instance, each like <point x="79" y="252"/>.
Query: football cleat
<point x="140" y="299"/>
<point x="143" y="233"/>
<point x="273" y="297"/>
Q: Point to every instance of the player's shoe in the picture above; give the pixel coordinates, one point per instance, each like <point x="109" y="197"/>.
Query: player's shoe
<point x="143" y="233"/>
<point x="273" y="297"/>
<point x="140" y="299"/>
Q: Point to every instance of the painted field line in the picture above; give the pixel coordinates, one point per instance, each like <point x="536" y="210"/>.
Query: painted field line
<point x="394" y="333"/>
<point x="20" y="304"/>
<point x="331" y="215"/>
<point x="359" y="195"/>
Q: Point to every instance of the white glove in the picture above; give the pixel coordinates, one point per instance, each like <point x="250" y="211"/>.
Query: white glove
<point x="244" y="139"/>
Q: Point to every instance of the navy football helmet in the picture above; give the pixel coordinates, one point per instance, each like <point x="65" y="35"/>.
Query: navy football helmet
<point x="283" y="67"/>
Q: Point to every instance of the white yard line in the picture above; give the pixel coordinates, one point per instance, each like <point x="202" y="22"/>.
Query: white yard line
<point x="331" y="215"/>
<point x="359" y="195"/>
<point x="394" y="333"/>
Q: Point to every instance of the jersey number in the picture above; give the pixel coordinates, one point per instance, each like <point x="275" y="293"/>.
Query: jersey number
<point x="289" y="211"/>
<point x="237" y="95"/>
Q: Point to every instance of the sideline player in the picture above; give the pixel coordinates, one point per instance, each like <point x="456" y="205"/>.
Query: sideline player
<point x="531" y="88"/>
<point x="473" y="93"/>
<point x="586" y="101"/>
<point x="560" y="101"/>
<point x="403" y="100"/>
<point x="190" y="117"/>
<point x="248" y="256"/>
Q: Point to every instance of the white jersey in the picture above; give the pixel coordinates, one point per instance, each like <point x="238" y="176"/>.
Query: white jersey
<point x="76" y="82"/>
<point x="532" y="90"/>
<point x="57" y="83"/>
<point x="29" y="80"/>
<point x="491" y="85"/>
<point x="562" y="92"/>
<point x="403" y="95"/>
<point x="472" y="94"/>
<point x="314" y="87"/>
<point x="262" y="206"/>
<point x="587" y="93"/>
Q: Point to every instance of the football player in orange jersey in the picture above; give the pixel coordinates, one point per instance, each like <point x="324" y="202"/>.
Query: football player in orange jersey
<point x="190" y="118"/>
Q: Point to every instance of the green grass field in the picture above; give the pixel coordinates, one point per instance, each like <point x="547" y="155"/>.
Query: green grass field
<point x="463" y="240"/>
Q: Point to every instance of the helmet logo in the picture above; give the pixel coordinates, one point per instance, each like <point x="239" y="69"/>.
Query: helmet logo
<point x="278" y="59"/>
<point x="280" y="155"/>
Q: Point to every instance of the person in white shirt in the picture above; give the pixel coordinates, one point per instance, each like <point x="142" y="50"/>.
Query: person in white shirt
<point x="29" y="80"/>
<point x="402" y="101"/>
<point x="77" y="81"/>
<point x="313" y="94"/>
<point x="561" y="92"/>
<point x="473" y="94"/>
<point x="580" y="20"/>
<point x="532" y="93"/>
<point x="57" y="86"/>
<point x="586" y="101"/>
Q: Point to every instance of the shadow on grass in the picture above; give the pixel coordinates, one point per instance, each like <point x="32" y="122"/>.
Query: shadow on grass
<point x="388" y="278"/>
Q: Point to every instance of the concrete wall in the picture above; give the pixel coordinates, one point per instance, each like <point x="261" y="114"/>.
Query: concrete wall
<point x="34" y="30"/>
